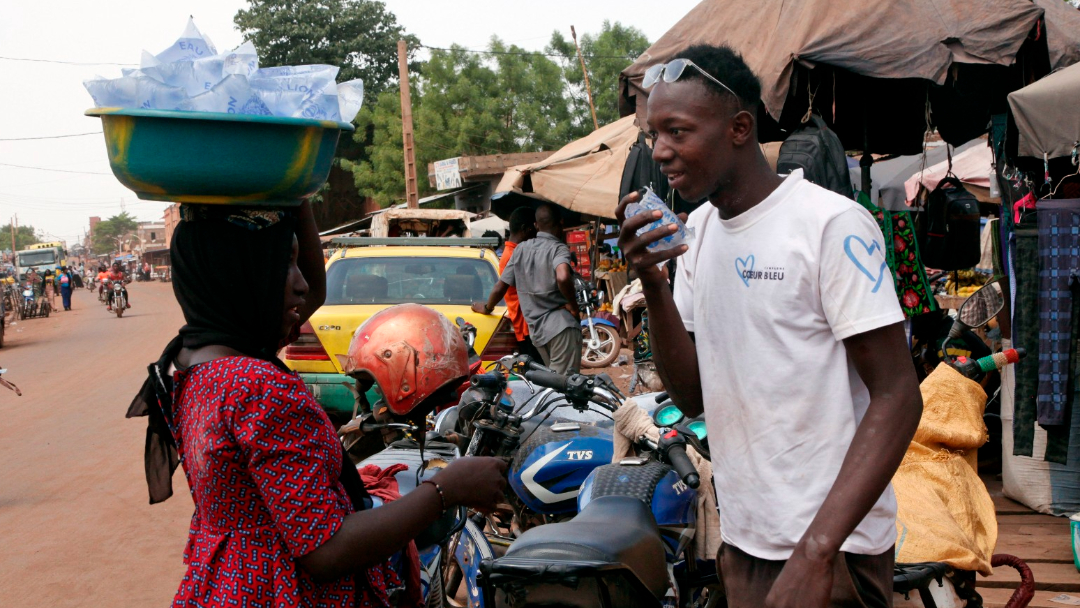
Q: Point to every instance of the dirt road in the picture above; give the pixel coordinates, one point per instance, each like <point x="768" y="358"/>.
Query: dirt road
<point x="75" y="523"/>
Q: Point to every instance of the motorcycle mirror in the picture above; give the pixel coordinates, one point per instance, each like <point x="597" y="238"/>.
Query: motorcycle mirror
<point x="982" y="306"/>
<point x="460" y="322"/>
<point x="976" y="311"/>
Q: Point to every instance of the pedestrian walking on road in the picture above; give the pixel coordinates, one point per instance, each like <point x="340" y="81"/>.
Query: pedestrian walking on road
<point x="281" y="514"/>
<point x="540" y="270"/>
<point x="67" y="283"/>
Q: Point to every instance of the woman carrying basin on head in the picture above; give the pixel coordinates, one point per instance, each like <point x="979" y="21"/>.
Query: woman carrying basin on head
<point x="279" y="519"/>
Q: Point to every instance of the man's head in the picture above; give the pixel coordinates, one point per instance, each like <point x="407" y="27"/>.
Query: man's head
<point x="116" y="266"/>
<point x="549" y="220"/>
<point x="704" y="132"/>
<point x="522" y="224"/>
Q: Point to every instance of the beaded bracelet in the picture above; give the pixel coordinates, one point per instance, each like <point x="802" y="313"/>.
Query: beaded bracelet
<point x="442" y="497"/>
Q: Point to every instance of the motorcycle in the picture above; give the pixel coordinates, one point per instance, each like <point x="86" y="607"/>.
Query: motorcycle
<point x="373" y="439"/>
<point x="119" y="300"/>
<point x="600" y="339"/>
<point x="32" y="306"/>
<point x="647" y="560"/>
<point x="550" y="459"/>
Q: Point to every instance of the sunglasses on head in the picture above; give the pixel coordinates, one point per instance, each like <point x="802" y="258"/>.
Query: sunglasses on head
<point x="673" y="70"/>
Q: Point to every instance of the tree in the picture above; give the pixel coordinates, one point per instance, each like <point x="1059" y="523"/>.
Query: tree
<point x="358" y="36"/>
<point x="110" y="233"/>
<point x="24" y="237"/>
<point x="606" y="55"/>
<point x="465" y="103"/>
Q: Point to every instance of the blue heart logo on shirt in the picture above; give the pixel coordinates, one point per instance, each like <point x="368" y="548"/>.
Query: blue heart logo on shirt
<point x="866" y="253"/>
<point x="742" y="265"/>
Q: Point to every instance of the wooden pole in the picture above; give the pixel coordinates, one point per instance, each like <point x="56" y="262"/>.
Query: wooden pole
<point x="14" y="256"/>
<point x="588" y="88"/>
<point x="412" y="196"/>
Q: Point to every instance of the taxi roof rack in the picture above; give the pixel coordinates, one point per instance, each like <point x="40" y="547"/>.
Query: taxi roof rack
<point x="412" y="241"/>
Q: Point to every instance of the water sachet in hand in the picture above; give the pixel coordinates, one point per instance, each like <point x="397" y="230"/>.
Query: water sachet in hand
<point x="650" y="202"/>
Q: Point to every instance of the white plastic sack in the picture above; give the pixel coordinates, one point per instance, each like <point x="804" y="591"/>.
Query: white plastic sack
<point x="350" y="98"/>
<point x="233" y="95"/>
<point x="191" y="76"/>
<point x="286" y="90"/>
<point x="191" y="45"/>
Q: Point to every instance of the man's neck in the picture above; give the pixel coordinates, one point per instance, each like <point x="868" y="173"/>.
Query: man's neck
<point x="516" y="239"/>
<point x="746" y="189"/>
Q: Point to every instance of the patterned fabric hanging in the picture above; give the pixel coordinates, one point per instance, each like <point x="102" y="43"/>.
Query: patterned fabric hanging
<point x="902" y="255"/>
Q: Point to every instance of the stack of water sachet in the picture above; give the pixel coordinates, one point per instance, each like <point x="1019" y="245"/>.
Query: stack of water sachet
<point x="191" y="76"/>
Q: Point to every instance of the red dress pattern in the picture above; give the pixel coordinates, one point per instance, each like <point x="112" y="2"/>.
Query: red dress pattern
<point x="262" y="461"/>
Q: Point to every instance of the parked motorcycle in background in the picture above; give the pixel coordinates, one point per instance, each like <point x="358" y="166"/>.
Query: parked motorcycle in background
<point x="600" y="339"/>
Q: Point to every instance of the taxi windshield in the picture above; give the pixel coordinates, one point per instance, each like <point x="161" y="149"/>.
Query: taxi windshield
<point x="397" y="280"/>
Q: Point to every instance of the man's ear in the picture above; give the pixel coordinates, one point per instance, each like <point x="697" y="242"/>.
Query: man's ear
<point x="743" y="129"/>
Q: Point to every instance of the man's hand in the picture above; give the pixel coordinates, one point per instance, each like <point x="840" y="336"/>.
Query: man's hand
<point x="481" y="308"/>
<point x="635" y="248"/>
<point x="804" y="582"/>
<point x="572" y="307"/>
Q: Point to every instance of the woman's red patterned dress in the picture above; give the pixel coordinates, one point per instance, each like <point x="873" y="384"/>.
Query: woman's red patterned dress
<point x="262" y="461"/>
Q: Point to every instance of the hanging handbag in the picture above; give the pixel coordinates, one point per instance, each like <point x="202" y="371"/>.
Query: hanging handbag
<point x="952" y="230"/>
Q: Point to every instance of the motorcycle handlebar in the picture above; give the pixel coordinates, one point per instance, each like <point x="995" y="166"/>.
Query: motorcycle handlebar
<point x="975" y="368"/>
<point x="489" y="380"/>
<point x="683" y="467"/>
<point x="547" y="379"/>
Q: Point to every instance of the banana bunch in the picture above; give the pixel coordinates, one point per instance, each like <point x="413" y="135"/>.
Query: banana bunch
<point x="969" y="282"/>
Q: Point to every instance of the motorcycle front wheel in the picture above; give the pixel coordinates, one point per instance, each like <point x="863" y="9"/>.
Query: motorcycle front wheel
<point x="606" y="353"/>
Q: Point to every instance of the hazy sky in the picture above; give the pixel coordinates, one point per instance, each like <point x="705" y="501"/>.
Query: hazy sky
<point x="44" y="99"/>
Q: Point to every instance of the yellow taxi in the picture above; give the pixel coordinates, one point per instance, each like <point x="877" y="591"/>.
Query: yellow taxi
<point x="362" y="280"/>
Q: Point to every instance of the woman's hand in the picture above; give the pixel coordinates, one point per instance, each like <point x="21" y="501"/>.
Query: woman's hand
<point x="635" y="248"/>
<point x="477" y="482"/>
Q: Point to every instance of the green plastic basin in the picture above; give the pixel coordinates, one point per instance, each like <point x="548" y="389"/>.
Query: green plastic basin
<point x="215" y="158"/>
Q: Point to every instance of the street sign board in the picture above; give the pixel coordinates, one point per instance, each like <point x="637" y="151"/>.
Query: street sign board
<point x="447" y="174"/>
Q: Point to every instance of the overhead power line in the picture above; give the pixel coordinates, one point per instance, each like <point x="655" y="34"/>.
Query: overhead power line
<point x="49" y="136"/>
<point x="66" y="62"/>
<point x="524" y="53"/>
<point x="57" y="170"/>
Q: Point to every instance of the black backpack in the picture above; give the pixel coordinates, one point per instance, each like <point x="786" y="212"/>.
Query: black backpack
<point x="816" y="150"/>
<point x="950" y="230"/>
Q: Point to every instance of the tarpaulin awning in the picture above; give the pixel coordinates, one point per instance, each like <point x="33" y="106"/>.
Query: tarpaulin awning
<point x="583" y="176"/>
<point x="1046" y="115"/>
<point x="884" y="59"/>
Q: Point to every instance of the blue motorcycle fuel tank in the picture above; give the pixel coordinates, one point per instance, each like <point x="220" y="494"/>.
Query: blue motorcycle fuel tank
<point x="673" y="503"/>
<point x="549" y="468"/>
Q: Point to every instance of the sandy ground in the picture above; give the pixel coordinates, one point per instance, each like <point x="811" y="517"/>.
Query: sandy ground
<point x="75" y="523"/>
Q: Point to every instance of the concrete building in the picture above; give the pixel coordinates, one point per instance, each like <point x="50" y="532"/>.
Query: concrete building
<point x="171" y="219"/>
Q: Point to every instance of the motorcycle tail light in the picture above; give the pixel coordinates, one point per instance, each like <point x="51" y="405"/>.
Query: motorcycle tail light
<point x="502" y="343"/>
<point x="307" y="346"/>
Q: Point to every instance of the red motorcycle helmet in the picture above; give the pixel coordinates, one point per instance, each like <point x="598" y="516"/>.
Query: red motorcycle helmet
<point x="412" y="352"/>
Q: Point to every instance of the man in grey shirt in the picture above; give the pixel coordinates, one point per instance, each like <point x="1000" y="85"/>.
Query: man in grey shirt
<point x="540" y="270"/>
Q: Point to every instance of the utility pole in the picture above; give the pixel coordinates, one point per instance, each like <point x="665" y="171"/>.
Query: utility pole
<point x="14" y="256"/>
<point x="588" y="88"/>
<point x="412" y="195"/>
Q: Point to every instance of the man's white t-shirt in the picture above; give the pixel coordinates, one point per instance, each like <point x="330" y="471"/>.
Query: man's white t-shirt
<point x="770" y="294"/>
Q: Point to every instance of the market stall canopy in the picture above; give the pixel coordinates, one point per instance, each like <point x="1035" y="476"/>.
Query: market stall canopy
<point x="972" y="166"/>
<point x="1046" y="115"/>
<point x="1062" y="32"/>
<point x="869" y="68"/>
<point x="583" y="176"/>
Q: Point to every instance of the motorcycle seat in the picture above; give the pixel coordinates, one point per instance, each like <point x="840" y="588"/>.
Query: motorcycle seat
<point x="617" y="530"/>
